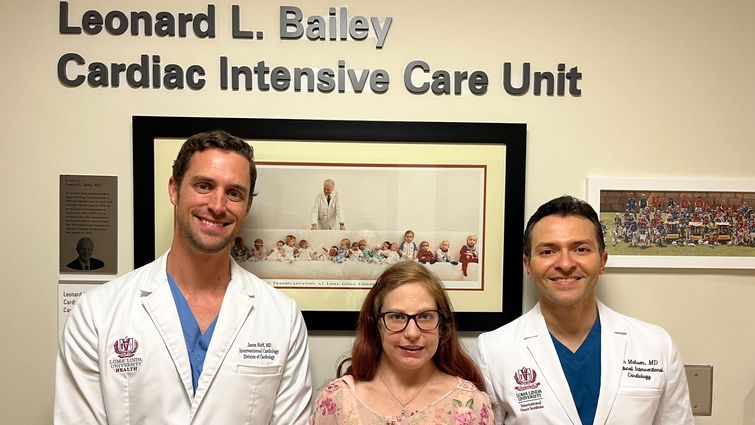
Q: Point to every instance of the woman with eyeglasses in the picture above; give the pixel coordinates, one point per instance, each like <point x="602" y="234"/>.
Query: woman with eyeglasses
<point x="407" y="364"/>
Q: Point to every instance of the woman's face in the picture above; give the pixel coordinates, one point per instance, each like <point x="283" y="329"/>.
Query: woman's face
<point x="412" y="348"/>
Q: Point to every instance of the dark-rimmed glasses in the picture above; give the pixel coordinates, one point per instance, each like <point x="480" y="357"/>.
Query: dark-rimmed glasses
<point x="396" y="321"/>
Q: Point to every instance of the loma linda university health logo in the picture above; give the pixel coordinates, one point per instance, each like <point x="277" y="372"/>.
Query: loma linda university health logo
<point x="126" y="362"/>
<point x="126" y="347"/>
<point x="526" y="378"/>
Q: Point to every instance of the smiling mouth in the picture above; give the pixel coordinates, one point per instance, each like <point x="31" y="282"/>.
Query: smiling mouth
<point x="565" y="279"/>
<point x="411" y="349"/>
<point x="212" y="223"/>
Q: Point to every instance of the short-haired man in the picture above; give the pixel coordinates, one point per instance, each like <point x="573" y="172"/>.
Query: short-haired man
<point x="85" y="261"/>
<point x="191" y="338"/>
<point x="571" y="359"/>
<point x="327" y="210"/>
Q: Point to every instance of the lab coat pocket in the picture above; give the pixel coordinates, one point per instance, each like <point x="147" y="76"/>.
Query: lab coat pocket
<point x="263" y="382"/>
<point x="640" y="403"/>
<point x="246" y="369"/>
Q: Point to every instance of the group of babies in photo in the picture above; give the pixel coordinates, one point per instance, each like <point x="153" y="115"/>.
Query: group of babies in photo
<point x="387" y="252"/>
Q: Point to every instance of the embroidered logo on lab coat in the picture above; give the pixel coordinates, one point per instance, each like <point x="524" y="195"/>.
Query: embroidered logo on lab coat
<point x="127" y="361"/>
<point x="527" y="393"/>
<point x="526" y="378"/>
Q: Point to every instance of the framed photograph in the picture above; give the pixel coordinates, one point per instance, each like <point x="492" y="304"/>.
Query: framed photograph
<point x="676" y="223"/>
<point x="399" y="189"/>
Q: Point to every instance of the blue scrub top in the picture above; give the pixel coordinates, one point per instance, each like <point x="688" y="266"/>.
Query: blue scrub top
<point x="196" y="342"/>
<point x="582" y="370"/>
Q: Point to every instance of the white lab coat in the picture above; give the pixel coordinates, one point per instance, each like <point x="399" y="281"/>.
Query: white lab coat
<point x="327" y="216"/>
<point x="123" y="358"/>
<point x="523" y="374"/>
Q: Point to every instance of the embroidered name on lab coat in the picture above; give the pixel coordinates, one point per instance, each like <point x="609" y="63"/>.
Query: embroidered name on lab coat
<point x="259" y="351"/>
<point x="642" y="369"/>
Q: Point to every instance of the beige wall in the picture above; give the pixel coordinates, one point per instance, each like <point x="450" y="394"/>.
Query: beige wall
<point x="666" y="83"/>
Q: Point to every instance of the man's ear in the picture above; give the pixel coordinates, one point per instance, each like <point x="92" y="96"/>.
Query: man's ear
<point x="526" y="261"/>
<point x="173" y="191"/>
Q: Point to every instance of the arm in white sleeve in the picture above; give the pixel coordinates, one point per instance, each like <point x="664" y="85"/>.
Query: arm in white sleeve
<point x="479" y="357"/>
<point x="314" y="213"/>
<point x="674" y="407"/>
<point x="78" y="390"/>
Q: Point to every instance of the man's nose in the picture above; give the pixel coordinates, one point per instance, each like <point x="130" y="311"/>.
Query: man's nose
<point x="565" y="260"/>
<point x="217" y="203"/>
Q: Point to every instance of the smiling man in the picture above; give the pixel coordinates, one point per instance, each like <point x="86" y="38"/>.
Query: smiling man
<point x="571" y="359"/>
<point x="191" y="338"/>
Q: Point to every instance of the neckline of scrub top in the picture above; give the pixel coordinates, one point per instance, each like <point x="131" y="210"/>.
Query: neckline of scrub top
<point x="196" y="342"/>
<point x="582" y="372"/>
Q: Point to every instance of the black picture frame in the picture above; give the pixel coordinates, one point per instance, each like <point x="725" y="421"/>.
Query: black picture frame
<point x="146" y="129"/>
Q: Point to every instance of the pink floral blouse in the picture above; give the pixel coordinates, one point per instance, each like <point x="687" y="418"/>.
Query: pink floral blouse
<point x="337" y="404"/>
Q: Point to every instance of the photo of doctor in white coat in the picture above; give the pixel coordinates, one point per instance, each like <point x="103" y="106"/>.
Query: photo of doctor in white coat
<point x="571" y="359"/>
<point x="327" y="209"/>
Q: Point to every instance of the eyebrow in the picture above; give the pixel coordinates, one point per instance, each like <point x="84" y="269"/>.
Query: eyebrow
<point x="570" y="243"/>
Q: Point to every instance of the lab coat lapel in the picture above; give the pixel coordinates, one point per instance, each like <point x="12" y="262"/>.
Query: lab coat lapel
<point x="613" y="341"/>
<point x="237" y="304"/>
<point x="161" y="308"/>
<point x="538" y="341"/>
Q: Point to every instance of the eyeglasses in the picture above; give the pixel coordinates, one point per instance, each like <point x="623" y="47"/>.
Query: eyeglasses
<point x="396" y="321"/>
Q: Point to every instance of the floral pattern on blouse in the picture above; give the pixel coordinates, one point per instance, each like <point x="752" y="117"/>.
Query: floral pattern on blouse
<point x="337" y="404"/>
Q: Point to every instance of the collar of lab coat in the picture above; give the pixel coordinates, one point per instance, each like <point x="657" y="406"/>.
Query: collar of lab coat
<point x="159" y="304"/>
<point x="157" y="277"/>
<point x="333" y="195"/>
<point x="613" y="340"/>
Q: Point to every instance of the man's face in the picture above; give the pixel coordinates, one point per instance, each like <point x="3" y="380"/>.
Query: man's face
<point x="85" y="249"/>
<point x="213" y="200"/>
<point x="565" y="262"/>
<point x="327" y="189"/>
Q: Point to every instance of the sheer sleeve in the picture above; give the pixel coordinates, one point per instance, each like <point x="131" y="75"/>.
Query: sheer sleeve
<point x="334" y="406"/>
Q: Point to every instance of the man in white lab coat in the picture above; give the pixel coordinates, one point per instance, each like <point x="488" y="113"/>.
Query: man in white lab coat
<point x="191" y="338"/>
<point x="327" y="210"/>
<point x="571" y="359"/>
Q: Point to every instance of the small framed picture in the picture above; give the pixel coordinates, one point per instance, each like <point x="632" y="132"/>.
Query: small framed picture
<point x="676" y="223"/>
